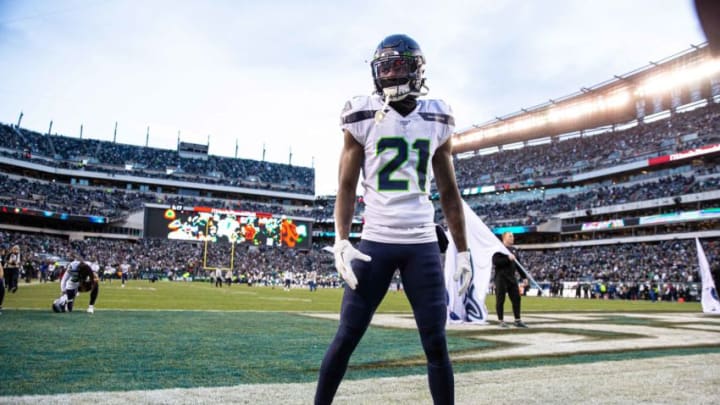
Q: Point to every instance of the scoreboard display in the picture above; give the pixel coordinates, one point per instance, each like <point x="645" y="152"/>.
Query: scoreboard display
<point x="219" y="225"/>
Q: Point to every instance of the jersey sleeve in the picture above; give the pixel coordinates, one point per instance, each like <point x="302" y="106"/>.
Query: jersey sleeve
<point x="64" y="280"/>
<point x="445" y="116"/>
<point x="356" y="117"/>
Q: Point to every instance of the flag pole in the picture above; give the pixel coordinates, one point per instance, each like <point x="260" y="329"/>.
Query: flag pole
<point x="528" y="276"/>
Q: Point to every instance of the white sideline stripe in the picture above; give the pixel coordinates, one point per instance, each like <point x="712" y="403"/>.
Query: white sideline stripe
<point x="673" y="379"/>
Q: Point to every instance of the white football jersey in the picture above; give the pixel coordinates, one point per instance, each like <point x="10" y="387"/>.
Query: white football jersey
<point x="397" y="168"/>
<point x="71" y="278"/>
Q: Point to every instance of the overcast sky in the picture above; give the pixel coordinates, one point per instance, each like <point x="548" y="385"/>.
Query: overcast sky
<point x="278" y="72"/>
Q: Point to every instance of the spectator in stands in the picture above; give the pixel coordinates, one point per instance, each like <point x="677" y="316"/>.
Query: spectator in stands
<point x="632" y="264"/>
<point x="105" y="156"/>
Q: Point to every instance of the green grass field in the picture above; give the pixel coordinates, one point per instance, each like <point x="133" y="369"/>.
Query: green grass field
<point x="169" y="335"/>
<point x="166" y="295"/>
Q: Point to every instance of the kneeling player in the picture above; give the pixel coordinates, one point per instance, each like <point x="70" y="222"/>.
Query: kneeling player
<point x="79" y="277"/>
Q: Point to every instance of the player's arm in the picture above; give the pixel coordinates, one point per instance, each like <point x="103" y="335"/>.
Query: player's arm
<point x="351" y="159"/>
<point x="452" y="207"/>
<point x="450" y="200"/>
<point x="500" y="260"/>
<point x="64" y="280"/>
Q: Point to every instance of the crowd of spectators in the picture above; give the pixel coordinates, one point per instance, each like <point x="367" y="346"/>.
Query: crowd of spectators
<point x="622" y="266"/>
<point x="324" y="209"/>
<point x="670" y="261"/>
<point x="629" y="269"/>
<point x="563" y="158"/>
<point x="538" y="210"/>
<point x="663" y="270"/>
<point x="585" y="153"/>
<point x="536" y="207"/>
<point x="161" y="258"/>
<point x="50" y="196"/>
<point x="106" y="156"/>
<point x="114" y="203"/>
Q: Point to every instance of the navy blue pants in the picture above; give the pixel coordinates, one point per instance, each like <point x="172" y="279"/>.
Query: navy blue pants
<point x="71" y="294"/>
<point x="424" y="282"/>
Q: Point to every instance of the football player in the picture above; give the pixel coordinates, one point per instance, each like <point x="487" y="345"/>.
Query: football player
<point x="125" y="272"/>
<point x="79" y="277"/>
<point x="398" y="142"/>
<point x="217" y="275"/>
<point x="288" y="276"/>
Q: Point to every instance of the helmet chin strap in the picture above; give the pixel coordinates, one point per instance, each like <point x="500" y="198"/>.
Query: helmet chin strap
<point x="391" y="94"/>
<point x="380" y="114"/>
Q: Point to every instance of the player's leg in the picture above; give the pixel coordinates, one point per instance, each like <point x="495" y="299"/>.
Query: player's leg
<point x="514" y="294"/>
<point x="70" y="299"/>
<point x="93" y="296"/>
<point x="424" y="283"/>
<point x="500" y="290"/>
<point x="358" y="307"/>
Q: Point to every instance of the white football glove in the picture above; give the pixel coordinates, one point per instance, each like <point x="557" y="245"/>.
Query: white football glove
<point x="345" y="253"/>
<point x="463" y="271"/>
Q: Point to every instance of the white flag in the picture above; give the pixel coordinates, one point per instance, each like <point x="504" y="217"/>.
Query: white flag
<point x="710" y="301"/>
<point x="483" y="244"/>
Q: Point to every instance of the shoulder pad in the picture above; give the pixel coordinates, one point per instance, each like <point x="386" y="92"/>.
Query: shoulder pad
<point x="437" y="110"/>
<point x="359" y="108"/>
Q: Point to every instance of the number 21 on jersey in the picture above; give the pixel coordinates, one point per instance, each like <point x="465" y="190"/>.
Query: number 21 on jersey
<point x="390" y="176"/>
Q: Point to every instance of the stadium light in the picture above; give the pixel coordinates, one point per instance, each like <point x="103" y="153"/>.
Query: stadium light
<point x="555" y="114"/>
<point x="563" y="112"/>
<point x="665" y="82"/>
<point x="597" y="104"/>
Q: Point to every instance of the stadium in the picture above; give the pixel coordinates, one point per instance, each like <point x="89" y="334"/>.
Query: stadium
<point x="606" y="190"/>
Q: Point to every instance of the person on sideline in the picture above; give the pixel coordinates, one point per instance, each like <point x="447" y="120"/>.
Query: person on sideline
<point x="506" y="281"/>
